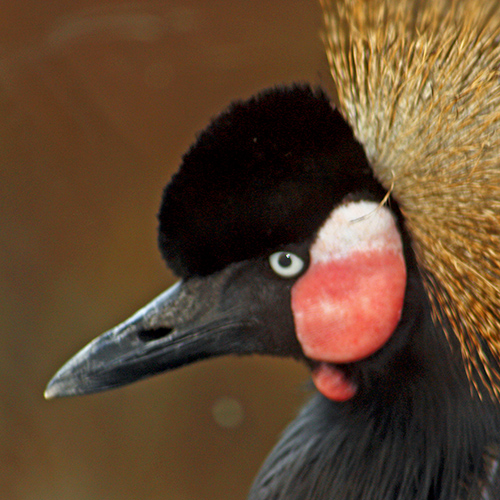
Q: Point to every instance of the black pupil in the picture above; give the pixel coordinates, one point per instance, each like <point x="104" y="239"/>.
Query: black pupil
<point x="285" y="260"/>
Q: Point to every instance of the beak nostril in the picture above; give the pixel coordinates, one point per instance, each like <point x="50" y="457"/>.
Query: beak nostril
<point x="154" y="334"/>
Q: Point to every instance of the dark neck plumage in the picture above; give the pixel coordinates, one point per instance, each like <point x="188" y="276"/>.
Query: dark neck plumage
<point x="414" y="432"/>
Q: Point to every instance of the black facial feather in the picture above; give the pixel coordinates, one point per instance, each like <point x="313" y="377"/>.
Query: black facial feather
<point x="265" y="173"/>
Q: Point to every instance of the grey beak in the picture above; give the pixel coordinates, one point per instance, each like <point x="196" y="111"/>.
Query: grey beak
<point x="229" y="312"/>
<point x="122" y="354"/>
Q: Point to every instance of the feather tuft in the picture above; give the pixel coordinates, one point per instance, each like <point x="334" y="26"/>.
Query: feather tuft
<point x="419" y="82"/>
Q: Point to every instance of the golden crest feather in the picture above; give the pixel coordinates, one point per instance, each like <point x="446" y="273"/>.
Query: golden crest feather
<point x="419" y="82"/>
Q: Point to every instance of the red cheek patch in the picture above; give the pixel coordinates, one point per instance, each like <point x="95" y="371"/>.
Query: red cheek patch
<point x="346" y="310"/>
<point x="349" y="302"/>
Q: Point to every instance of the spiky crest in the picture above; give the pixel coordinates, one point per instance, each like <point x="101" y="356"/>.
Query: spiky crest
<point x="419" y="82"/>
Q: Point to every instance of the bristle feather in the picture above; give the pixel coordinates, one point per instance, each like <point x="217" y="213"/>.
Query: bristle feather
<point x="419" y="82"/>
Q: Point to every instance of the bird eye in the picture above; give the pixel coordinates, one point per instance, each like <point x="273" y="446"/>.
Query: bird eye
<point x="286" y="264"/>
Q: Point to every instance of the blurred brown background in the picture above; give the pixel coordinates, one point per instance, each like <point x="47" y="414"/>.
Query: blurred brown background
<point x="98" y="101"/>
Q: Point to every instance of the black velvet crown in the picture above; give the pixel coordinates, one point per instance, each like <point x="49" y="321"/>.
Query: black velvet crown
<point x="265" y="173"/>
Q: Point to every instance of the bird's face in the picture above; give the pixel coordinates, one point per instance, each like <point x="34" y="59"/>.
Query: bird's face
<point x="282" y="247"/>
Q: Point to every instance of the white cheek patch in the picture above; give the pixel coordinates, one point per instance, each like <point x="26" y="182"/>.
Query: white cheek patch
<point x="348" y="303"/>
<point x="357" y="226"/>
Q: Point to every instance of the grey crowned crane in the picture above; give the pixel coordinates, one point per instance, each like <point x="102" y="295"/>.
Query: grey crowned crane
<point x="363" y="241"/>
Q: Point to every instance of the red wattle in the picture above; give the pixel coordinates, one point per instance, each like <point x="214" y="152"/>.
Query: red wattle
<point x="332" y="383"/>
